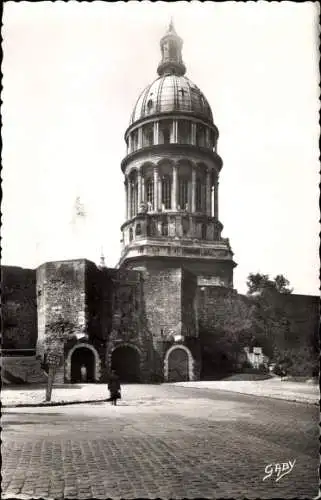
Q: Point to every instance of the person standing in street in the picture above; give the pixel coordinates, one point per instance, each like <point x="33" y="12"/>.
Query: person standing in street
<point x="83" y="373"/>
<point x="114" y="388"/>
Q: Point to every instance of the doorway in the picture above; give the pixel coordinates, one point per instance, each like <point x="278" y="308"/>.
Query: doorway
<point x="125" y="360"/>
<point x="82" y="357"/>
<point x="178" y="365"/>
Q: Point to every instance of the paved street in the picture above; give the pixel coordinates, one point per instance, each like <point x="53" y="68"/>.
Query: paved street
<point x="174" y="442"/>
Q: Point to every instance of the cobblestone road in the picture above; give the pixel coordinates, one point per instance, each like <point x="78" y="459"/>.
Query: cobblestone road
<point x="179" y="443"/>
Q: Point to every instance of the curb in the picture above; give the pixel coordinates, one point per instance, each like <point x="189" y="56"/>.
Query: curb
<point x="290" y="400"/>
<point x="52" y="403"/>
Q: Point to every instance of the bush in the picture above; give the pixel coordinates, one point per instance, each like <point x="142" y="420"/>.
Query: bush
<point x="301" y="362"/>
<point x="263" y="369"/>
<point x="279" y="370"/>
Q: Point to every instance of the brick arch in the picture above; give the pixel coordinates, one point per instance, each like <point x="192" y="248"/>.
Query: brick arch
<point x="132" y="174"/>
<point x="126" y="344"/>
<point x="164" y="162"/>
<point x="189" y="358"/>
<point x="147" y="166"/>
<point x="137" y="350"/>
<point x="97" y="366"/>
<point x="114" y="345"/>
<point x="202" y="167"/>
<point x="182" y="162"/>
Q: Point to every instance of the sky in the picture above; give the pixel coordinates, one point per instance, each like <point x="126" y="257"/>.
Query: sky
<point x="72" y="73"/>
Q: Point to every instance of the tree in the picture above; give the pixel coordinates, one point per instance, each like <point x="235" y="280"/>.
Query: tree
<point x="227" y="331"/>
<point x="57" y="334"/>
<point x="269" y="321"/>
<point x="259" y="284"/>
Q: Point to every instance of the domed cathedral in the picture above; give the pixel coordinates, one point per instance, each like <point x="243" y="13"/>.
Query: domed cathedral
<point x="172" y="232"/>
<point x="142" y="318"/>
<point x="174" y="281"/>
<point x="172" y="177"/>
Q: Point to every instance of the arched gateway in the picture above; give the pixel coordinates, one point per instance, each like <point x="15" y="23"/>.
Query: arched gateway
<point x="125" y="360"/>
<point x="178" y="364"/>
<point x="82" y="355"/>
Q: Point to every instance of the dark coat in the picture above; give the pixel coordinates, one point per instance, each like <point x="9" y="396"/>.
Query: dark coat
<point x="113" y="385"/>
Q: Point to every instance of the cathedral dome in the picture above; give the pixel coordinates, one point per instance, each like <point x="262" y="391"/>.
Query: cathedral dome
<point x="171" y="93"/>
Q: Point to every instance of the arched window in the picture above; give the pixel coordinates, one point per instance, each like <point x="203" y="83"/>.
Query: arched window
<point x="199" y="194"/>
<point x="149" y="105"/>
<point x="148" y="135"/>
<point x="166" y="191"/>
<point x="182" y="193"/>
<point x="165" y="50"/>
<point x="149" y="194"/>
<point x="184" y="132"/>
<point x="200" y="135"/>
<point x="134" y="140"/>
<point x="172" y="50"/>
<point x="138" y="230"/>
<point x="130" y="234"/>
<point x="212" y="139"/>
<point x="165" y="131"/>
<point x="151" y="229"/>
<point x="185" y="225"/>
<point x="164" y="229"/>
<point x="134" y="196"/>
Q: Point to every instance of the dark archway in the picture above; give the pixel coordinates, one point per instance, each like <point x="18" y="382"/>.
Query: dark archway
<point x="178" y="365"/>
<point x="125" y="361"/>
<point x="82" y="356"/>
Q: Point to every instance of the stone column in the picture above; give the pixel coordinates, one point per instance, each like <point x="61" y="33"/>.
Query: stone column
<point x="156" y="133"/>
<point x="193" y="190"/>
<point x="143" y="189"/>
<point x="126" y="194"/>
<point x="174" y="188"/>
<point x="160" y="192"/>
<point x="207" y="137"/>
<point x="173" y="137"/>
<point x="208" y="193"/>
<point x="155" y="188"/>
<point x="175" y="131"/>
<point x="216" y="198"/>
<point x="193" y="136"/>
<point x="129" y="187"/>
<point x="140" y="138"/>
<point x="139" y="190"/>
<point x="189" y="196"/>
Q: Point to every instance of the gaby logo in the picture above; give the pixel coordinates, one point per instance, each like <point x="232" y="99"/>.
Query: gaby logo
<point x="279" y="469"/>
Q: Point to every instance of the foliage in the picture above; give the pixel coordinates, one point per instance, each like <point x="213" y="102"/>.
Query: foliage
<point x="270" y="325"/>
<point x="57" y="334"/>
<point x="230" y="331"/>
<point x="257" y="321"/>
<point x="302" y="361"/>
<point x="261" y="283"/>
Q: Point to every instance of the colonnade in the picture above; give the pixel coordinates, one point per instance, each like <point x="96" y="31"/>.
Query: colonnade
<point x="170" y="131"/>
<point x="159" y="191"/>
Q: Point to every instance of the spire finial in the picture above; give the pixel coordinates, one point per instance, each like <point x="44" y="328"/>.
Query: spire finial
<point x="102" y="259"/>
<point x="171" y="48"/>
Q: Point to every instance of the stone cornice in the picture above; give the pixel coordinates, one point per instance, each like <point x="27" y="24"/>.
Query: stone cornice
<point x="170" y="149"/>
